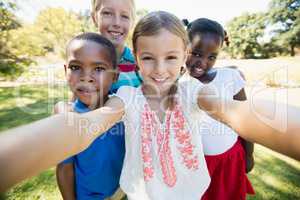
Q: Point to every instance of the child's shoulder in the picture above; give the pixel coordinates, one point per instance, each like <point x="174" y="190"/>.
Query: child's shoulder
<point x="230" y="72"/>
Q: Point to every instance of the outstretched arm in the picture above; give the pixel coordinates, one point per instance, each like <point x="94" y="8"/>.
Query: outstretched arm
<point x="282" y="133"/>
<point x="29" y="149"/>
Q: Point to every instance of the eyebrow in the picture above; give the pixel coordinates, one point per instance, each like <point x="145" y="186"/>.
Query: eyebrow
<point x="100" y="63"/>
<point x="169" y="52"/>
<point x="75" y="61"/>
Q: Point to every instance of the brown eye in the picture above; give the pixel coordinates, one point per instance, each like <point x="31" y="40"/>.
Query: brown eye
<point x="99" y="69"/>
<point x="74" y="67"/>
<point x="172" y="57"/>
<point x="147" y="58"/>
<point x="196" y="54"/>
<point x="212" y="58"/>
<point x="107" y="13"/>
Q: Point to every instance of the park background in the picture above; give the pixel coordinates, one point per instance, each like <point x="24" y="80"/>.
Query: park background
<point x="264" y="45"/>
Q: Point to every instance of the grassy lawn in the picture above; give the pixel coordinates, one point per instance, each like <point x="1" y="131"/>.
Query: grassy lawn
<point x="274" y="176"/>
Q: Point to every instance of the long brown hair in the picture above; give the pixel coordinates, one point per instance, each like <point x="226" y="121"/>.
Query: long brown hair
<point x="152" y="24"/>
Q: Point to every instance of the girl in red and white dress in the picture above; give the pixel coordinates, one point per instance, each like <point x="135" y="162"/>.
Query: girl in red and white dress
<point x="228" y="157"/>
<point x="164" y="156"/>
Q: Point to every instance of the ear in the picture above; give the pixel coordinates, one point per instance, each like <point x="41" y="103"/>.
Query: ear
<point x="185" y="55"/>
<point x="65" y="68"/>
<point x="94" y="18"/>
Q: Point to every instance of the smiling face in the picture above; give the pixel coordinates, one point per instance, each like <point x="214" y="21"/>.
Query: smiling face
<point x="113" y="19"/>
<point x="203" y="53"/>
<point x="160" y="58"/>
<point x="89" y="72"/>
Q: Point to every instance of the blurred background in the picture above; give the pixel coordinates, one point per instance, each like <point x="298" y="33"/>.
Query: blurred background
<point x="264" y="44"/>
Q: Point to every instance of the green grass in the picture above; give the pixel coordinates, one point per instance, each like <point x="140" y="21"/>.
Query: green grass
<point x="274" y="176"/>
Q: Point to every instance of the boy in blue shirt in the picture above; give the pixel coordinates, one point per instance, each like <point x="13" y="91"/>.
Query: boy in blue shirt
<point x="91" y="70"/>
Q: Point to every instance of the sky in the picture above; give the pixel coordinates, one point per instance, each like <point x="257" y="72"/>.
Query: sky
<point x="219" y="10"/>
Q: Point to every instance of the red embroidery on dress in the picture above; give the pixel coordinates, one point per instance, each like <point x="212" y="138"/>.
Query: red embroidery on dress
<point x="183" y="137"/>
<point x="146" y="145"/>
<point x="149" y="124"/>
<point x="165" y="156"/>
<point x="150" y="129"/>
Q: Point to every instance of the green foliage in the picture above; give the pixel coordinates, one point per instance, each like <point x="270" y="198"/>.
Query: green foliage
<point x="244" y="33"/>
<point x="248" y="30"/>
<point x="285" y="14"/>
<point x="56" y="27"/>
<point x="11" y="64"/>
<point x="53" y="28"/>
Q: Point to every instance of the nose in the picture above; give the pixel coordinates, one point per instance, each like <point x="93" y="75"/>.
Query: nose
<point x="160" y="67"/>
<point x="116" y="21"/>
<point x="86" y="76"/>
<point x="203" y="63"/>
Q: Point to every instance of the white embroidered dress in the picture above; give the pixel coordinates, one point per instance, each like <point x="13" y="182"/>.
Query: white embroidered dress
<point x="163" y="161"/>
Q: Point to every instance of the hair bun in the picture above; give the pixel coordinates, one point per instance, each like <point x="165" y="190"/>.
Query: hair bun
<point x="186" y="22"/>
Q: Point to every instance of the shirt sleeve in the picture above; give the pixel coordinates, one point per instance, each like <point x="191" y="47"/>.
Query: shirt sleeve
<point x="68" y="160"/>
<point x="238" y="82"/>
<point x="127" y="95"/>
<point x="189" y="92"/>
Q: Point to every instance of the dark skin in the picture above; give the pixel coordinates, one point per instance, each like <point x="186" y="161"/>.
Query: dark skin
<point x="202" y="57"/>
<point x="90" y="74"/>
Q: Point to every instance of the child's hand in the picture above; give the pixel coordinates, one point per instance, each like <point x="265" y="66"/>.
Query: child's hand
<point x="63" y="107"/>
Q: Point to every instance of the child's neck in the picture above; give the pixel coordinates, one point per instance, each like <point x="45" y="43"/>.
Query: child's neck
<point x="207" y="77"/>
<point x="151" y="93"/>
<point x="100" y="103"/>
<point x="120" y="50"/>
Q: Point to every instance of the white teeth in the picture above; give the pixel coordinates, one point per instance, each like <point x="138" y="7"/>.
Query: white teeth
<point x="115" y="33"/>
<point x="199" y="70"/>
<point x="159" y="79"/>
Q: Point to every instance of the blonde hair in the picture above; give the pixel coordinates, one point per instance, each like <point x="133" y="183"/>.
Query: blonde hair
<point x="97" y="3"/>
<point x="151" y="25"/>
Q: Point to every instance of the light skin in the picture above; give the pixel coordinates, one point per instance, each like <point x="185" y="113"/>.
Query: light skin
<point x="56" y="139"/>
<point x="89" y="73"/>
<point x="160" y="66"/>
<point x="114" y="19"/>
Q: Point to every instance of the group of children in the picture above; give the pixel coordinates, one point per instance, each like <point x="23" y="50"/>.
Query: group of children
<point x="163" y="146"/>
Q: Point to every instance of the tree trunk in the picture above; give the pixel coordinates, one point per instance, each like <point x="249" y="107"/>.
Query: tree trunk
<point x="292" y="53"/>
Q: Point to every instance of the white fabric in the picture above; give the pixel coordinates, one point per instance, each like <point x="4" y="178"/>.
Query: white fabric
<point x="190" y="184"/>
<point x="217" y="137"/>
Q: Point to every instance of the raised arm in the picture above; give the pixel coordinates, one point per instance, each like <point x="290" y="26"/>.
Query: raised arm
<point x="255" y="121"/>
<point x="30" y="149"/>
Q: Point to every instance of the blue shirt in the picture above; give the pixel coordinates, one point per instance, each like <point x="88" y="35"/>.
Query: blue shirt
<point x="98" y="168"/>
<point x="129" y="77"/>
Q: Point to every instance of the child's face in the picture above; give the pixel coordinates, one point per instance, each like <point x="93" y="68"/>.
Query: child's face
<point x="203" y="53"/>
<point x="160" y="58"/>
<point x="89" y="71"/>
<point x="114" y="19"/>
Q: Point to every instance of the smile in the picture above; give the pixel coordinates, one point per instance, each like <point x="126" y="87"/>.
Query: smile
<point x="115" y="33"/>
<point x="159" y="80"/>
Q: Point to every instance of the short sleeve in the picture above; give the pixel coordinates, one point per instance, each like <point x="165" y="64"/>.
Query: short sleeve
<point x="189" y="91"/>
<point x="239" y="82"/>
<point x="126" y="94"/>
<point x="68" y="160"/>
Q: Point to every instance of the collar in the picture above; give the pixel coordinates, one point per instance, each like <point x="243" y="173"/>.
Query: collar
<point x="127" y="56"/>
<point x="80" y="107"/>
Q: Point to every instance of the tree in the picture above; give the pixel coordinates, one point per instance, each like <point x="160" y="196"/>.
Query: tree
<point x="285" y="15"/>
<point x="57" y="27"/>
<point x="11" y="65"/>
<point x="244" y="34"/>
